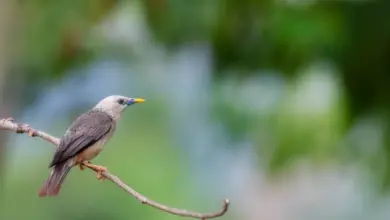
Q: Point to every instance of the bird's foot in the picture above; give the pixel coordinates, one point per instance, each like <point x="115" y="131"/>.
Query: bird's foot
<point x="98" y="169"/>
<point x="100" y="176"/>
<point x="82" y="166"/>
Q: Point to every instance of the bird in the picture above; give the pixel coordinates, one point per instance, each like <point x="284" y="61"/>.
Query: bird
<point x="84" y="140"/>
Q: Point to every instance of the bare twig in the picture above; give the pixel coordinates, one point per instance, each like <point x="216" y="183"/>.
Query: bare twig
<point x="11" y="125"/>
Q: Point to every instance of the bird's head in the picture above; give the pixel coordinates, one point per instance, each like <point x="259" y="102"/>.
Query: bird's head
<point x="114" y="105"/>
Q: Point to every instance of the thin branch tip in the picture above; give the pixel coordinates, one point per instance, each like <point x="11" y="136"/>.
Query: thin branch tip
<point x="20" y="128"/>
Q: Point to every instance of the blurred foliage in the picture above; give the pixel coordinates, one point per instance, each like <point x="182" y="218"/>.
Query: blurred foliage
<point x="51" y="37"/>
<point x="286" y="35"/>
<point x="244" y="34"/>
<point x="251" y="34"/>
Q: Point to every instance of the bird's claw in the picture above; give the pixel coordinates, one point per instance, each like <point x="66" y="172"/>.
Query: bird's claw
<point x="98" y="169"/>
<point x="82" y="166"/>
<point x="100" y="176"/>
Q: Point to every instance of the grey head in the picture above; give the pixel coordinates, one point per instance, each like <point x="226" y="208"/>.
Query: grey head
<point x="114" y="105"/>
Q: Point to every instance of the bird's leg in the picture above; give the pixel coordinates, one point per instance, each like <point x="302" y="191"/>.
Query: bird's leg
<point x="98" y="169"/>
<point x="81" y="165"/>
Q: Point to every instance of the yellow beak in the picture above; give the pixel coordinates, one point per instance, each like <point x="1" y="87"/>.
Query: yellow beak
<point x="139" y="100"/>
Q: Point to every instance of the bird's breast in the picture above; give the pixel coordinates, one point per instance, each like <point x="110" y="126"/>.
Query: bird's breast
<point x="91" y="152"/>
<point x="94" y="150"/>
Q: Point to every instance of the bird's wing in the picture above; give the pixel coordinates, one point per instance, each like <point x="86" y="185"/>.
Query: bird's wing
<point x="85" y="131"/>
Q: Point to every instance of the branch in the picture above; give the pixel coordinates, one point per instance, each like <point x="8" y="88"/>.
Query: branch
<point x="11" y="125"/>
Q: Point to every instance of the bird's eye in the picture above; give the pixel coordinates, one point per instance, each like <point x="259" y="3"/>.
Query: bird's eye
<point x="121" y="101"/>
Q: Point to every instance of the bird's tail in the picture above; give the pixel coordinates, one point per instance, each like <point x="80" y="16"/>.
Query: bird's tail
<point x="53" y="183"/>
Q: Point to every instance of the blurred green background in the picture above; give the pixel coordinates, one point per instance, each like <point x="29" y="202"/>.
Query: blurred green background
<point x="283" y="106"/>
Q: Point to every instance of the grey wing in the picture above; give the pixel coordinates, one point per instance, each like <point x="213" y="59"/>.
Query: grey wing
<point x="83" y="133"/>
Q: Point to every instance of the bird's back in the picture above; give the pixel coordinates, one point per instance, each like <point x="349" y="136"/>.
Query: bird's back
<point x="84" y="132"/>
